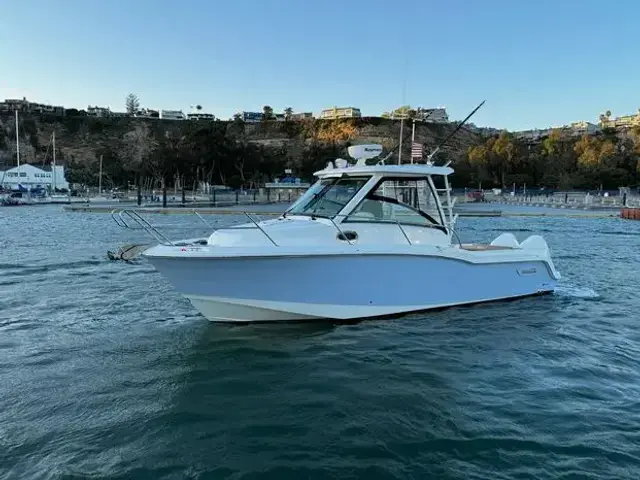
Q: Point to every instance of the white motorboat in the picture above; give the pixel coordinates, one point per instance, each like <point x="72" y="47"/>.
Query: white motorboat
<point x="363" y="241"/>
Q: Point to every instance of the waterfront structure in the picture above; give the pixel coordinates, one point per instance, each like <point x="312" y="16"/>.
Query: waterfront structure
<point x="30" y="176"/>
<point x="340" y="112"/>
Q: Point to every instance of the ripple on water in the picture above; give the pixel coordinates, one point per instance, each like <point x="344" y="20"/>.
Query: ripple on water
<point x="108" y="373"/>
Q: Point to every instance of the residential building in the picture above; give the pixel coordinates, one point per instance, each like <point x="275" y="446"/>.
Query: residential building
<point x="534" y="135"/>
<point x="302" y="116"/>
<point x="626" y="121"/>
<point x="251" y="117"/>
<point x="340" y="112"/>
<point x="28" y="175"/>
<point x="582" y="128"/>
<point x="11" y="105"/>
<point x="432" y="115"/>
<point x="201" y="116"/>
<point x="24" y="106"/>
<point x="147" y="113"/>
<point x="172" y="115"/>
<point x="98" y="111"/>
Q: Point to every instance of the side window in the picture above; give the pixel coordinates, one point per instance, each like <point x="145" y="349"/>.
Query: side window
<point x="396" y="200"/>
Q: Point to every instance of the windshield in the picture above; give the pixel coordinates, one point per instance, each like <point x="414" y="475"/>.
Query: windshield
<point x="327" y="196"/>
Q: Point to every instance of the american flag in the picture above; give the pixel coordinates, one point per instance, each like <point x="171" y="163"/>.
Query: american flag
<point x="416" y="150"/>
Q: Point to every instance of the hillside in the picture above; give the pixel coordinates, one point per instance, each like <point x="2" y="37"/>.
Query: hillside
<point x="232" y="152"/>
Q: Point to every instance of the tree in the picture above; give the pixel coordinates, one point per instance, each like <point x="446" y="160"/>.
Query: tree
<point x="198" y="107"/>
<point x="403" y="112"/>
<point x="504" y="150"/>
<point x="288" y="112"/>
<point x="550" y="144"/>
<point x="267" y="112"/>
<point x="132" y="103"/>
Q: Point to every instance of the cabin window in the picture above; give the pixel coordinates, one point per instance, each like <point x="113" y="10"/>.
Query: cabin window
<point x="327" y="196"/>
<point x="405" y="201"/>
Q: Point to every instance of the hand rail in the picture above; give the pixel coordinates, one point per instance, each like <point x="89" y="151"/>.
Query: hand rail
<point x="124" y="217"/>
<point x="157" y="234"/>
<point x="203" y="220"/>
<point x="260" y="228"/>
<point x="403" y="233"/>
<point x="340" y="232"/>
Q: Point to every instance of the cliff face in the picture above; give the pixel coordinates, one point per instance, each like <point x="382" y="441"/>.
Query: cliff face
<point x="222" y="151"/>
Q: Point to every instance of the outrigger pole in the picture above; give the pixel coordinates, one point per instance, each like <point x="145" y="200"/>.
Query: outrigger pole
<point x="455" y="130"/>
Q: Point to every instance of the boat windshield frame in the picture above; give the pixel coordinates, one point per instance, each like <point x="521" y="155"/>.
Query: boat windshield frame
<point x="438" y="223"/>
<point x="317" y="193"/>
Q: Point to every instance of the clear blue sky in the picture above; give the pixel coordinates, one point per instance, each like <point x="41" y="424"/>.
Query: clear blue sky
<point x="537" y="64"/>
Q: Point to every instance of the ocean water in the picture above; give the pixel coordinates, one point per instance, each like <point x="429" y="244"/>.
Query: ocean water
<point x="105" y="372"/>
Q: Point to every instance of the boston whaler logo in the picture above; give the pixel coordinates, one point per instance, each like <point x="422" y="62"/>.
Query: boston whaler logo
<point x="527" y="271"/>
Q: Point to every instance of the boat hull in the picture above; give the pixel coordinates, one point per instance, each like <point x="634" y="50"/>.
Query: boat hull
<point x="346" y="287"/>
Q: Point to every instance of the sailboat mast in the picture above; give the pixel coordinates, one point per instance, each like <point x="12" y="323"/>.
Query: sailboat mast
<point x="100" y="178"/>
<point x="17" y="145"/>
<point x="53" y="170"/>
<point x="400" y="147"/>
<point x="413" y="137"/>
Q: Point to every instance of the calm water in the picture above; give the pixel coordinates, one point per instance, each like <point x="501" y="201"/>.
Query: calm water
<point x="106" y="373"/>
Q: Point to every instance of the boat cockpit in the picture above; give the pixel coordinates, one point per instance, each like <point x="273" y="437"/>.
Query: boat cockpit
<point x="381" y="195"/>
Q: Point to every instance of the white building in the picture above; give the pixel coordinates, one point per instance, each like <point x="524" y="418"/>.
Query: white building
<point x="28" y="175"/>
<point x="98" y="111"/>
<point x="201" y="116"/>
<point x="172" y="115"/>
<point x="340" y="112"/>
<point x="583" y="128"/>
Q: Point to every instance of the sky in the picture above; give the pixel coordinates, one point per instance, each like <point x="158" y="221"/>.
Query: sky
<point x="537" y="64"/>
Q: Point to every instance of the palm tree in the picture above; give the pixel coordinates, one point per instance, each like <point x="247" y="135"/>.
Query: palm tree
<point x="198" y="107"/>
<point x="288" y="112"/>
